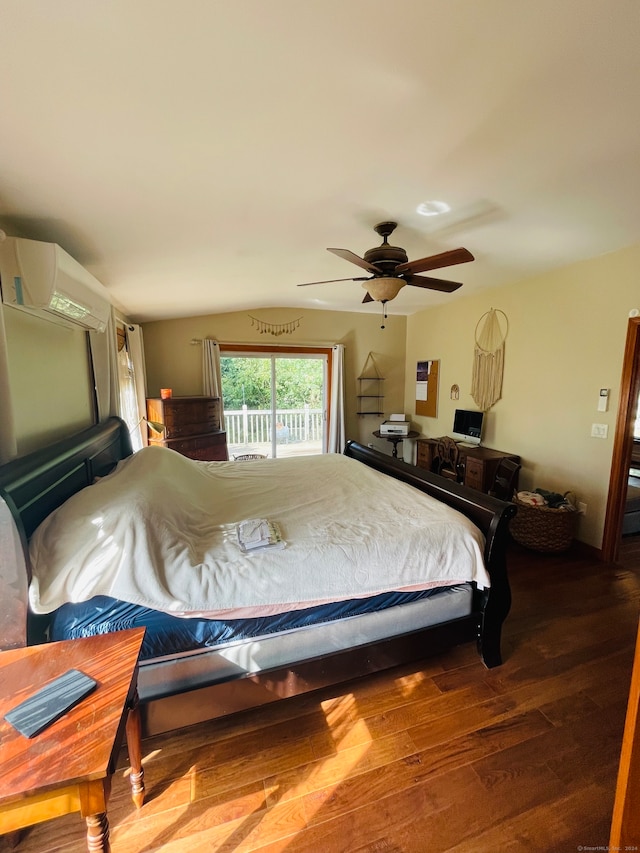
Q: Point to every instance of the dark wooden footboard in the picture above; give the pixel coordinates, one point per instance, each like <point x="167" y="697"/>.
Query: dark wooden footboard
<point x="491" y="515"/>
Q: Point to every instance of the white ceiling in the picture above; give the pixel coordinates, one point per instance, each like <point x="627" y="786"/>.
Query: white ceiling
<point x="198" y="157"/>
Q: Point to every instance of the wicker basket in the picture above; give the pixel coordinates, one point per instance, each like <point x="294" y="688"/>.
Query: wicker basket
<point x="543" y="528"/>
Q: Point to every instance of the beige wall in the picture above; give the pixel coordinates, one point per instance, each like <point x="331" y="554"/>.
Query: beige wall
<point x="173" y="362"/>
<point x="48" y="377"/>
<point x="566" y="339"/>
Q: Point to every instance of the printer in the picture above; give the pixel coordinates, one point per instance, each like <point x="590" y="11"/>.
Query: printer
<point x="396" y="425"/>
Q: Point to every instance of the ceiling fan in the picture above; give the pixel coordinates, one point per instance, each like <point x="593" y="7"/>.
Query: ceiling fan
<point x="390" y="268"/>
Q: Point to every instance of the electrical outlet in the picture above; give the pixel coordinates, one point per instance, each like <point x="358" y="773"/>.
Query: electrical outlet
<point x="599" y="430"/>
<point x="582" y="508"/>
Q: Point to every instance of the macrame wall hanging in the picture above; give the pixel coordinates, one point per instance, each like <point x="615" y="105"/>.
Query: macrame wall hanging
<point x="488" y="358"/>
<point x="275" y="329"/>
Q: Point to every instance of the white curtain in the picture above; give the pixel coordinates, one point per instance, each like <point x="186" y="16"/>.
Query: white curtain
<point x="120" y="378"/>
<point x="211" y="375"/>
<point x="135" y="348"/>
<point x="337" y="437"/>
<point x="104" y="358"/>
<point x="8" y="443"/>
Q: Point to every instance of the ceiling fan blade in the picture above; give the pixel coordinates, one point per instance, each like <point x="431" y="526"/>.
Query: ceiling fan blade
<point x="346" y="255"/>
<point x="427" y="281"/>
<point x="331" y="280"/>
<point x="368" y="298"/>
<point x="435" y="262"/>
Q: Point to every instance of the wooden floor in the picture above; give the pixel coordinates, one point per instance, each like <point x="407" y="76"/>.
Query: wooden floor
<point x="447" y="756"/>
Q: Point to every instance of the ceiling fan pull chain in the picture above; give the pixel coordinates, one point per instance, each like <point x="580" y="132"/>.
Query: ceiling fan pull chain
<point x="384" y="313"/>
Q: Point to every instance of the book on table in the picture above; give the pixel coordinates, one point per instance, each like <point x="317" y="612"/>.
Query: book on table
<point x="48" y="704"/>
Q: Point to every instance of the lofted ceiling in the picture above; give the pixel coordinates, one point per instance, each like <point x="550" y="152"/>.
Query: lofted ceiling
<point x="199" y="157"/>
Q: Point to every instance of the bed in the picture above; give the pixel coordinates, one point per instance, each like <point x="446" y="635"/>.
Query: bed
<point x="312" y="634"/>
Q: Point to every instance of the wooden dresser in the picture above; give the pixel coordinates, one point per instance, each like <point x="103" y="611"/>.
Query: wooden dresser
<point x="480" y="463"/>
<point x="191" y="426"/>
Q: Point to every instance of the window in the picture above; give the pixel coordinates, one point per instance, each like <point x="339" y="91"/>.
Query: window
<point x="275" y="399"/>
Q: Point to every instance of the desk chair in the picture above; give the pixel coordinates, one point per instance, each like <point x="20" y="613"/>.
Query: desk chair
<point x="446" y="461"/>
<point x="505" y="480"/>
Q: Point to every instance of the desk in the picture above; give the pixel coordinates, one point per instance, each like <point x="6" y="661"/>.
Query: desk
<point x="395" y="439"/>
<point x="479" y="463"/>
<point x="68" y="767"/>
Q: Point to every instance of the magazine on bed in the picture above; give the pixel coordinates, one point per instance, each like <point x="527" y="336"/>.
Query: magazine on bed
<point x="259" y="534"/>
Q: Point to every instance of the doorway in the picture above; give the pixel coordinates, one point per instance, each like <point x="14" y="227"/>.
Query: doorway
<point x="623" y="442"/>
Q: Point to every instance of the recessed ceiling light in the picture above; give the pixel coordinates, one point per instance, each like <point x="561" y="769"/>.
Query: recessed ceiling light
<point x="433" y="208"/>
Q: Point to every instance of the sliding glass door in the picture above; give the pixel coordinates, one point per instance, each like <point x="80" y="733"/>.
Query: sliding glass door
<point x="275" y="401"/>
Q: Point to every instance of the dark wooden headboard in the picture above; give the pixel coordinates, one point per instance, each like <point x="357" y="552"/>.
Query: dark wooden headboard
<point x="36" y="484"/>
<point x="32" y="487"/>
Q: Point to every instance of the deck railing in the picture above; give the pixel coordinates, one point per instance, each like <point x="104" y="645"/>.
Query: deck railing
<point x="255" y="426"/>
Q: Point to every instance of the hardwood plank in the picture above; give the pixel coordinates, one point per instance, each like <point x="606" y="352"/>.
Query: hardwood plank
<point x="199" y="829"/>
<point x="557" y="826"/>
<point x="332" y="770"/>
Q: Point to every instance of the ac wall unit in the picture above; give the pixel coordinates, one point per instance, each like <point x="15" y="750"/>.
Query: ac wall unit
<point x="44" y="280"/>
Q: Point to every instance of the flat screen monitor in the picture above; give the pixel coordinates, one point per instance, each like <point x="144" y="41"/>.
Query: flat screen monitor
<point x="467" y="426"/>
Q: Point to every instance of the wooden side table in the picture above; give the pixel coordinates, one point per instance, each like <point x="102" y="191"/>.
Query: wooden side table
<point x="395" y="439"/>
<point x="68" y="766"/>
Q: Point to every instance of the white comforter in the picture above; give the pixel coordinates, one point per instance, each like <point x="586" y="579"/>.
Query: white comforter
<point x="160" y="531"/>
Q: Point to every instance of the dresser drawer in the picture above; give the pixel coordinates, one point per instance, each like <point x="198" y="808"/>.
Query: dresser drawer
<point x="184" y="416"/>
<point x="474" y="473"/>
<point x="424" y="455"/>
<point x="205" y="448"/>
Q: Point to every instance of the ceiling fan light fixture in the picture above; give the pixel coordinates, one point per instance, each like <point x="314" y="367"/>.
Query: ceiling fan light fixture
<point x="433" y="208"/>
<point x="383" y="289"/>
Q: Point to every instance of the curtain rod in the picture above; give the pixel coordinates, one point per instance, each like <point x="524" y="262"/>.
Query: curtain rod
<point x="248" y="344"/>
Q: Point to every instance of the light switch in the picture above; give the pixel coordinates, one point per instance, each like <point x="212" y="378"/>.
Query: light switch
<point x="599" y="430"/>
